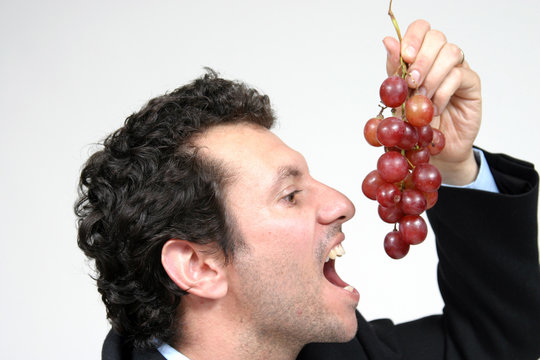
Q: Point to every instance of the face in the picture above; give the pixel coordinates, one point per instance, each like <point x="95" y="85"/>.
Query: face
<point x="281" y="284"/>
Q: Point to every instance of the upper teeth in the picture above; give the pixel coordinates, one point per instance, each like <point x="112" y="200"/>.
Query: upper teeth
<point x="337" y="250"/>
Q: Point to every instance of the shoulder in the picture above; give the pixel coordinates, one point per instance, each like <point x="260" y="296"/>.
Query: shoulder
<point x="115" y="347"/>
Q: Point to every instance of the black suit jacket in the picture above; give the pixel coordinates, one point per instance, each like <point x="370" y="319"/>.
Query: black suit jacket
<point x="489" y="278"/>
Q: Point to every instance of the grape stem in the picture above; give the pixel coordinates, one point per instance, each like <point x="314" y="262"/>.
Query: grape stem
<point x="396" y="26"/>
<point x="382" y="110"/>
<point x="394" y="21"/>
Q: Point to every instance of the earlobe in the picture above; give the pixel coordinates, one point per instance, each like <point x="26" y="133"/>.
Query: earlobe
<point x="193" y="269"/>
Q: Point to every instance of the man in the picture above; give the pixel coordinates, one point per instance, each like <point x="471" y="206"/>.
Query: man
<point x="211" y="240"/>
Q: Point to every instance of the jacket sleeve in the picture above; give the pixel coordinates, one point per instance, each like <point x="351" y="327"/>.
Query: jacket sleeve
<point x="488" y="271"/>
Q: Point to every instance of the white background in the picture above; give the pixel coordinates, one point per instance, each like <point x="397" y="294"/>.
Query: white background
<point x="71" y="71"/>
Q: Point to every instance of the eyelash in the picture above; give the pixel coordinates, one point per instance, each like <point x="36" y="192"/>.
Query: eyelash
<point x="290" y="198"/>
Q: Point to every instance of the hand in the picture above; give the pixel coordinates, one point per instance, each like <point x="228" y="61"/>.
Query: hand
<point x="438" y="71"/>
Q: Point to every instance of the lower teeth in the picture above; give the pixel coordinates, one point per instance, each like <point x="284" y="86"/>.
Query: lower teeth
<point x="349" y="288"/>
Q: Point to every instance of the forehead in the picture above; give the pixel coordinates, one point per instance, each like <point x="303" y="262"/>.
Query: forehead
<point x="249" y="151"/>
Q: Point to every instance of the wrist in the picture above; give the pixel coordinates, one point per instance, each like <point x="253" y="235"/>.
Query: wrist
<point x="458" y="173"/>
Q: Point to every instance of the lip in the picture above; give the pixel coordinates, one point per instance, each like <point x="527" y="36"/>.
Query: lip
<point x="338" y="240"/>
<point x="354" y="295"/>
<point x="338" y="284"/>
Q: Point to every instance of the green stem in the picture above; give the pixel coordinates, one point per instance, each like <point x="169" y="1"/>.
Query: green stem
<point x="394" y="21"/>
<point x="404" y="66"/>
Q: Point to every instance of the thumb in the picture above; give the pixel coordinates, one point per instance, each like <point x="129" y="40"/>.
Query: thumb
<point x="392" y="60"/>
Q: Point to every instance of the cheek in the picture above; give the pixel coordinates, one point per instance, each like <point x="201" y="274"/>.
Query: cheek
<point x="289" y="237"/>
<point x="280" y="231"/>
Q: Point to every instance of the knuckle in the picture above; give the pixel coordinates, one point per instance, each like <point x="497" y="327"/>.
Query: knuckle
<point x="420" y="63"/>
<point x="421" y="23"/>
<point x="415" y="33"/>
<point x="441" y="96"/>
<point x="456" y="74"/>
<point x="454" y="50"/>
<point x="437" y="35"/>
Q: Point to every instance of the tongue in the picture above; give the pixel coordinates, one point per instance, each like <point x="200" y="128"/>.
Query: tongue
<point x="330" y="273"/>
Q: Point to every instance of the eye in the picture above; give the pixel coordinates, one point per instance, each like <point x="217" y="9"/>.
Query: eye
<point x="291" y="197"/>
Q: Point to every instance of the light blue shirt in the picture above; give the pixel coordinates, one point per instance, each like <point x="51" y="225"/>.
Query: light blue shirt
<point x="484" y="181"/>
<point x="171" y="353"/>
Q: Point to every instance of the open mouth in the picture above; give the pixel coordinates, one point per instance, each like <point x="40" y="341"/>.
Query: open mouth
<point x="329" y="269"/>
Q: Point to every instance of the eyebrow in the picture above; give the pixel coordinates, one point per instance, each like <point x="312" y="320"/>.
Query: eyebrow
<point x="283" y="173"/>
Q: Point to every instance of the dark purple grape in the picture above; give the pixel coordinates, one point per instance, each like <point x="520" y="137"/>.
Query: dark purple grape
<point x="437" y="143"/>
<point x="425" y="135"/>
<point x="393" y="91"/>
<point x="388" y="195"/>
<point x="394" y="245"/>
<point x="426" y="178"/>
<point x="392" y="166"/>
<point x="413" y="229"/>
<point x="370" y="184"/>
<point x="413" y="202"/>
<point x="390" y="131"/>
<point x="409" y="138"/>
<point x="418" y="156"/>
<point x="391" y="214"/>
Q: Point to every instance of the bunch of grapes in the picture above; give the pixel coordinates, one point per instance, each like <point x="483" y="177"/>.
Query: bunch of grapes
<point x="404" y="184"/>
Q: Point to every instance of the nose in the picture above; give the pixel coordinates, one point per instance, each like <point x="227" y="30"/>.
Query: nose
<point x="334" y="206"/>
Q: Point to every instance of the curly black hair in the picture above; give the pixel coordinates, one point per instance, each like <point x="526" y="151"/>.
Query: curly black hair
<point x="149" y="184"/>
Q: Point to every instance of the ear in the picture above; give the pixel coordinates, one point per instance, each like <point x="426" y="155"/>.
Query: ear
<point x="193" y="269"/>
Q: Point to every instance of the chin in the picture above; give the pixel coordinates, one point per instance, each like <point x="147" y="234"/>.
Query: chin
<point x="350" y="331"/>
<point x="349" y="327"/>
<point x="342" y="333"/>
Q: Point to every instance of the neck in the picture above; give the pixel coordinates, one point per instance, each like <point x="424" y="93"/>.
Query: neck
<point x="212" y="330"/>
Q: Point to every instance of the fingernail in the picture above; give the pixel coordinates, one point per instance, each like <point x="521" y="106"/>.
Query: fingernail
<point x="414" y="78"/>
<point x="435" y="110"/>
<point x="410" y="52"/>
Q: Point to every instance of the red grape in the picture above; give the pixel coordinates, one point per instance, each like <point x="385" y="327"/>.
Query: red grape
<point x="409" y="138"/>
<point x="394" y="91"/>
<point x="426" y="177"/>
<point x="394" y="245"/>
<point x="390" y="131"/>
<point x="419" y="110"/>
<point x="437" y="143"/>
<point x="425" y="135"/>
<point x="431" y="198"/>
<point x="407" y="183"/>
<point x="388" y="195"/>
<point x="413" y="202"/>
<point x="392" y="166"/>
<point x="370" y="184"/>
<point x="413" y="229"/>
<point x="370" y="131"/>
<point x="390" y="214"/>
<point x="418" y="156"/>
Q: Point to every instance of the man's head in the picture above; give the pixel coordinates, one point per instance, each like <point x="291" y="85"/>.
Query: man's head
<point x="194" y="195"/>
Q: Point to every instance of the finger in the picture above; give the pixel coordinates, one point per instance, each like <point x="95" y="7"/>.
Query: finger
<point x="428" y="54"/>
<point x="449" y="57"/>
<point x="392" y="58"/>
<point x="413" y="39"/>
<point x="446" y="90"/>
<point x="461" y="82"/>
<point x="436" y="122"/>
